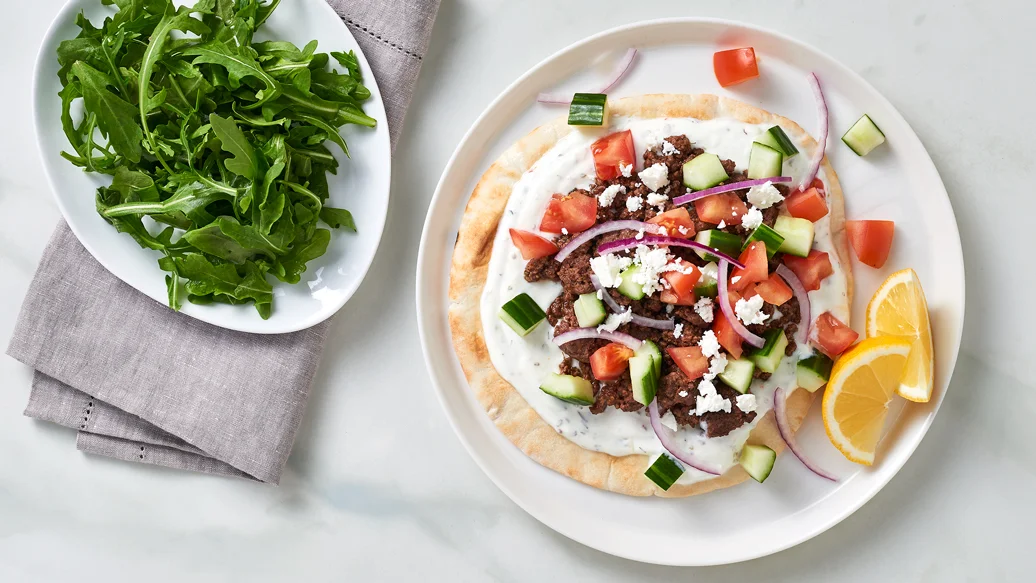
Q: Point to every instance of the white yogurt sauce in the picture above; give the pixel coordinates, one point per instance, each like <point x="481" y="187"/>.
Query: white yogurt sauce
<point x="524" y="362"/>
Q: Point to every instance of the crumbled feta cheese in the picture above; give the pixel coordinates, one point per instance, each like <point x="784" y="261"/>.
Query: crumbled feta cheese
<point x="712" y="403"/>
<point x="722" y="224"/>
<point x="657" y="200"/>
<point x="564" y="231"/>
<point x="607" y="268"/>
<point x="626" y="170"/>
<point x="750" y="311"/>
<point x="716" y="366"/>
<point x="615" y="320"/>
<point x="678" y="331"/>
<point x="703" y="307"/>
<point x="764" y="196"/>
<point x="746" y="402"/>
<point x="668" y="149"/>
<point x="640" y="234"/>
<point x="634" y="203"/>
<point x="678" y="264"/>
<point x="752" y="219"/>
<point x="652" y="262"/>
<point x="669" y="308"/>
<point x="655" y="176"/>
<point x="600" y="294"/>
<point x="669" y="420"/>
<point x="706" y="388"/>
<point x="735" y="279"/>
<point x="607" y="197"/>
<point x="683" y="230"/>
<point x="682" y="393"/>
<point x="709" y="344"/>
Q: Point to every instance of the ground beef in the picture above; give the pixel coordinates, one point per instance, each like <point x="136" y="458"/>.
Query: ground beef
<point x="562" y="316"/>
<point x="542" y="268"/>
<point x="721" y="423"/>
<point x="618" y="394"/>
<point x="575" y="271"/>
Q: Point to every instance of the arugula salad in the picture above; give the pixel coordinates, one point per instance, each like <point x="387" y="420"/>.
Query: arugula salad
<point x="216" y="144"/>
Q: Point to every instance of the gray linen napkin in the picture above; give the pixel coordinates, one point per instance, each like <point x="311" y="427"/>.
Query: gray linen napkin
<point x="143" y="383"/>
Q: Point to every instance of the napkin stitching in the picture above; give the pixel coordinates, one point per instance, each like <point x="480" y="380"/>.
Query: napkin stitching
<point x="86" y="415"/>
<point x="382" y="39"/>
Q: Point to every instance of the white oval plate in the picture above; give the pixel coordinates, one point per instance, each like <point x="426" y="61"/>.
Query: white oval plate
<point x="897" y="181"/>
<point x="361" y="185"/>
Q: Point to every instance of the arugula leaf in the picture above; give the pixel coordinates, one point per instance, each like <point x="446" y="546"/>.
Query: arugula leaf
<point x="239" y="65"/>
<point x="233" y="140"/>
<point x="116" y="118"/>
<point x="336" y="218"/>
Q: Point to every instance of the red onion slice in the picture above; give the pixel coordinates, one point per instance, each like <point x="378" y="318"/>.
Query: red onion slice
<point x="728" y="310"/>
<point x="803" y="297"/>
<point x="621" y="68"/>
<point x="670" y="445"/>
<point x="822" y="122"/>
<point x="624" y="244"/>
<point x="638" y="320"/>
<point x="595" y="334"/>
<point x="600" y="229"/>
<point x="784" y="426"/>
<point x="692" y="196"/>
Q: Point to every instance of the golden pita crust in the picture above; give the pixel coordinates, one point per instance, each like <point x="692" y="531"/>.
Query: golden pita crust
<point x="505" y="406"/>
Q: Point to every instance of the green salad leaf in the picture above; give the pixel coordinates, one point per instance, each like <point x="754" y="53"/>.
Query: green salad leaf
<point x="217" y="145"/>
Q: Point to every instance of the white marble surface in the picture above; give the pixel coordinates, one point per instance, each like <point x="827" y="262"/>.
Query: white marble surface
<point x="370" y="496"/>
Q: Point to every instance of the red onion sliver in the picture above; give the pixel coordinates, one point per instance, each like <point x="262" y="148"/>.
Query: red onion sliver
<point x="784" y="427"/>
<point x="670" y="445"/>
<point x="728" y="310"/>
<point x="623" y="244"/>
<point x="692" y="196"/>
<point x="600" y="229"/>
<point x="822" y="121"/>
<point x="614" y="306"/>
<point x="803" y="297"/>
<point x="595" y="334"/>
<point x="621" y="68"/>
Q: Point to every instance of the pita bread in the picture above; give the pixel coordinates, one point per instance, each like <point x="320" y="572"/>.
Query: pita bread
<point x="505" y="406"/>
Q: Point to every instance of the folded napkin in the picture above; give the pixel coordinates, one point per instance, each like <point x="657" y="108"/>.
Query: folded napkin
<point x="143" y="383"/>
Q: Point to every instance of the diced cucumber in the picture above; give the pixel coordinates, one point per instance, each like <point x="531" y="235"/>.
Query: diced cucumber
<point x="778" y="140"/>
<point x="813" y="372"/>
<point x="738" y="374"/>
<point x="758" y="461"/>
<point x="588" y="109"/>
<point x="764" y="162"/>
<point x="797" y="233"/>
<point x="769" y="356"/>
<point x="568" y="388"/>
<point x="590" y="310"/>
<point x="645" y="382"/>
<point x="722" y="241"/>
<point x="708" y="286"/>
<point x="522" y="314"/>
<point x="771" y="238"/>
<point x="703" y="171"/>
<point x="628" y="287"/>
<point x="652" y="350"/>
<point x="664" y="472"/>
<point x="864" y="136"/>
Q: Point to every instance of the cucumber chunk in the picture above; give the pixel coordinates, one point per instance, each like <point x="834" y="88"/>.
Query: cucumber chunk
<point x="771" y="238"/>
<point x="707" y="286"/>
<point x="703" y="171"/>
<point x="568" y="388"/>
<point x="664" y="472"/>
<point x="738" y="374"/>
<point x="797" y="233"/>
<point x="864" y="136"/>
<point x="758" y="461"/>
<point x="588" y="109"/>
<point x="628" y="287"/>
<point x="645" y="382"/>
<point x="590" y="310"/>
<point x="652" y="350"/>
<point x="722" y="241"/>
<point x="778" y="140"/>
<point x="813" y="372"/>
<point x="522" y="314"/>
<point x="769" y="356"/>
<point x="764" y="162"/>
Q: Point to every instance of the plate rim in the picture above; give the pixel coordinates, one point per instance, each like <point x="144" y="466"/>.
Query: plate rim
<point x="427" y="316"/>
<point x="255" y="325"/>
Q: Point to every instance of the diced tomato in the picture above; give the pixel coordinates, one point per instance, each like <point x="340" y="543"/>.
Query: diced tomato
<point x="675" y="219"/>
<point x="831" y="336"/>
<point x="871" y="240"/>
<point x="668" y="296"/>
<point x="756" y="267"/>
<point x="609" y="362"/>
<point x="734" y="66"/>
<point x="718" y="208"/>
<point x="611" y="151"/>
<point x="691" y="361"/>
<point x="749" y="291"/>
<point x="574" y="212"/>
<point x="812" y="269"/>
<point x="807" y="204"/>
<point x="819" y="185"/>
<point x="681" y="287"/>
<point x="773" y="290"/>
<point x="531" y="245"/>
<point x="726" y="335"/>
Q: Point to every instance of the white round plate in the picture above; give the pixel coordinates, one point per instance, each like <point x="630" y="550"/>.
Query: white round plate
<point x="897" y="181"/>
<point x="361" y="185"/>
